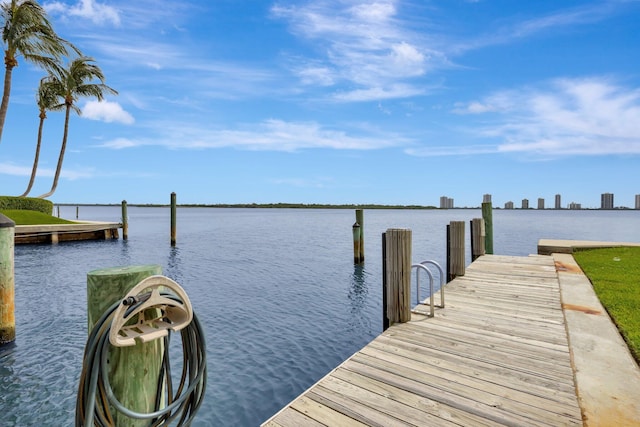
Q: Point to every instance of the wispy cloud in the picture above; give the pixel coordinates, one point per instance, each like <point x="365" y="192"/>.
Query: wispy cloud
<point x="25" y="171"/>
<point x="272" y="135"/>
<point x="366" y="44"/>
<point x="591" y="116"/>
<point x="517" y="29"/>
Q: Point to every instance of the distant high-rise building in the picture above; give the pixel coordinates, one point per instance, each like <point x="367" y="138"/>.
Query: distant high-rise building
<point x="574" y="205"/>
<point x="606" y="201"/>
<point x="637" y="201"/>
<point x="446" y="202"/>
<point x="525" y="203"/>
<point x="508" y="205"/>
<point x="540" y="203"/>
<point x="486" y="198"/>
<point x="558" y="205"/>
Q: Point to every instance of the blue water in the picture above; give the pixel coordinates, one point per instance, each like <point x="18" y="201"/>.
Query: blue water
<point x="275" y="289"/>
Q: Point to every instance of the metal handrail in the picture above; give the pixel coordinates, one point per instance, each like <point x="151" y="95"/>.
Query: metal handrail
<point x="423" y="267"/>
<point x="442" y="279"/>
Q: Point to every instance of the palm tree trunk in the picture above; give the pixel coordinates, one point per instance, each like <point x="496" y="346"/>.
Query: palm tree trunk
<point x="61" y="156"/>
<point x="5" y="96"/>
<point x="36" y="159"/>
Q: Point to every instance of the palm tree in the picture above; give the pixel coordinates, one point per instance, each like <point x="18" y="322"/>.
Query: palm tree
<point x="69" y="84"/>
<point x="46" y="100"/>
<point x="26" y="31"/>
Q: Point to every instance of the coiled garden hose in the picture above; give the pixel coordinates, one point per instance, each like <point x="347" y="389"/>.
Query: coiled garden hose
<point x="96" y="399"/>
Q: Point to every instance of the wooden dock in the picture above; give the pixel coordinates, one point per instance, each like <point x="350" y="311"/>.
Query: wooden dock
<point x="55" y="233"/>
<point x="497" y="354"/>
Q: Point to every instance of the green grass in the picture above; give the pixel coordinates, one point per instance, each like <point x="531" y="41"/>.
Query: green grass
<point x="615" y="275"/>
<point x="25" y="217"/>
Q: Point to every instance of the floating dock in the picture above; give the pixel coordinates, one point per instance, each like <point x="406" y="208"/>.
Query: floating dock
<point x="55" y="233"/>
<point x="500" y="353"/>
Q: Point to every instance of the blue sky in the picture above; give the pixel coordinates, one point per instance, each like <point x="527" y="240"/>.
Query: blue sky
<point x="341" y="101"/>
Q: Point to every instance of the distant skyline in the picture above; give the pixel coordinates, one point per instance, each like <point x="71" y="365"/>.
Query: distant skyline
<point x="341" y="102"/>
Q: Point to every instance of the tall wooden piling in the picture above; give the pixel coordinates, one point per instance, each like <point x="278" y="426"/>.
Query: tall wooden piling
<point x="360" y="220"/>
<point x="398" y="274"/>
<point x="77" y="212"/>
<point x="356" y="243"/>
<point x="133" y="371"/>
<point x="487" y="215"/>
<point x="173" y="219"/>
<point x="125" y="221"/>
<point x="7" y="281"/>
<point x="477" y="238"/>
<point x="455" y="250"/>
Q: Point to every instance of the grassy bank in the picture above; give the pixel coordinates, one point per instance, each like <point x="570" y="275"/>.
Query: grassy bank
<point x="25" y="217"/>
<point x="615" y="275"/>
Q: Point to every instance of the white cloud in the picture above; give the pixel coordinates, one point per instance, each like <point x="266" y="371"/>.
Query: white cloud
<point x="269" y="135"/>
<point x="567" y="117"/>
<point x="98" y="13"/>
<point x="367" y="46"/>
<point x="67" y="173"/>
<point x="12" y="169"/>
<point x="119" y="143"/>
<point x="107" y="112"/>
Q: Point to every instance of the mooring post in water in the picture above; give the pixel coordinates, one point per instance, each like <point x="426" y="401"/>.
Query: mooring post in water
<point x="487" y="215"/>
<point x="356" y="243"/>
<point x="477" y="238"/>
<point x="173" y="219"/>
<point x="133" y="371"/>
<point x="125" y="221"/>
<point x="397" y="274"/>
<point x="455" y="250"/>
<point x="360" y="220"/>
<point x="77" y="211"/>
<point x="7" y="281"/>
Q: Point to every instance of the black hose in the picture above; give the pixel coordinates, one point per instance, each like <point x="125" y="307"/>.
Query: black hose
<point x="95" y="399"/>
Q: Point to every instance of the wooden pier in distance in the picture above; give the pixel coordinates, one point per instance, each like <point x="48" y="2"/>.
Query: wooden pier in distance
<point x="497" y="354"/>
<point x="55" y="233"/>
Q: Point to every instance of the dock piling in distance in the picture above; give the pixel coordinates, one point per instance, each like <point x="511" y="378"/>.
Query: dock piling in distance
<point x="360" y="220"/>
<point x="7" y="281"/>
<point x="397" y="274"/>
<point x="133" y="371"/>
<point x="173" y="219"/>
<point x="356" y="242"/>
<point x="125" y="221"/>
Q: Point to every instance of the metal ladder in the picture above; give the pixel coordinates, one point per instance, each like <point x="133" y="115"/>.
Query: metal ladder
<point x="423" y="266"/>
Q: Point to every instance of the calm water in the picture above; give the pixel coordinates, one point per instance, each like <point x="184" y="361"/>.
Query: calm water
<point x="276" y="290"/>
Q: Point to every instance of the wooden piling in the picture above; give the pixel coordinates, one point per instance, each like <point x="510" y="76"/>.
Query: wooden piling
<point x="385" y="319"/>
<point x="356" y="243"/>
<point x="487" y="215"/>
<point x="398" y="275"/>
<point x="133" y="371"/>
<point x="360" y="220"/>
<point x="125" y="221"/>
<point x="173" y="219"/>
<point x="7" y="281"/>
<point x="77" y="212"/>
<point x="477" y="238"/>
<point x="455" y="250"/>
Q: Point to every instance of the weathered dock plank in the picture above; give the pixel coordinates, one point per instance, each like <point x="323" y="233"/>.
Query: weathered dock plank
<point x="497" y="354"/>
